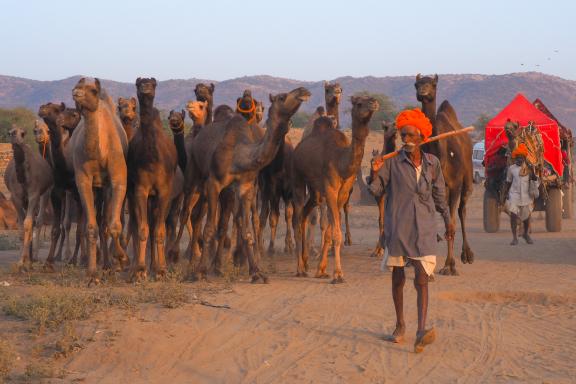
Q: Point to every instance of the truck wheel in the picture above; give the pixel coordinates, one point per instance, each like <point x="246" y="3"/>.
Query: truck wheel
<point x="554" y="210"/>
<point x="491" y="212"/>
<point x="568" y="202"/>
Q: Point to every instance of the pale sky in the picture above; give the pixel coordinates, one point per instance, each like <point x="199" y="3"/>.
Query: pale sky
<point x="304" y="40"/>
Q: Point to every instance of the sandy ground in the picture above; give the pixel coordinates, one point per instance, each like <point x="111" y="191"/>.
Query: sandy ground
<point x="509" y="317"/>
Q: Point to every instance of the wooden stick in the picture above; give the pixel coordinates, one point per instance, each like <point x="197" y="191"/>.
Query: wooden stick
<point x="378" y="161"/>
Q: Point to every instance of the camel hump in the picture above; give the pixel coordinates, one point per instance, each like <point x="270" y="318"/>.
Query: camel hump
<point x="446" y="116"/>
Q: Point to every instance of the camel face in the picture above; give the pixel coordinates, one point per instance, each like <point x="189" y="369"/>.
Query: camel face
<point x="146" y="87"/>
<point x="86" y="94"/>
<point x="41" y="133"/>
<point x="426" y="88"/>
<point x="363" y="107"/>
<point x="176" y="121"/>
<point x="197" y="110"/>
<point x="259" y="111"/>
<point x="127" y="109"/>
<point x="16" y="135"/>
<point x="51" y="110"/>
<point x="286" y="104"/>
<point x="204" y="92"/>
<point x="68" y="119"/>
<point x="333" y="92"/>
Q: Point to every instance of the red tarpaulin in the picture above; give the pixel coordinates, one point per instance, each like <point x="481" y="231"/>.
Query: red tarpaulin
<point x="521" y="110"/>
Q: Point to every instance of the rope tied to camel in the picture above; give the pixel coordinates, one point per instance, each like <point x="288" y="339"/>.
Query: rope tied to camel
<point x="44" y="143"/>
<point x="251" y="110"/>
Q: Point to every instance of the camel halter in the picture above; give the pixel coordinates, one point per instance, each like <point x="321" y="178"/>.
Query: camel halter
<point x="44" y="142"/>
<point x="250" y="110"/>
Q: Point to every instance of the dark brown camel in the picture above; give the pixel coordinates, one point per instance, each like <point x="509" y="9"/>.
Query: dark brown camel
<point x="455" y="154"/>
<point x="227" y="154"/>
<point x="152" y="162"/>
<point x="205" y="93"/>
<point x="325" y="163"/>
<point x="28" y="177"/>
<point x="98" y="156"/>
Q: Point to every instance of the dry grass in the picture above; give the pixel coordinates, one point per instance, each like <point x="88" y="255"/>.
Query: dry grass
<point x="7" y="359"/>
<point x="40" y="370"/>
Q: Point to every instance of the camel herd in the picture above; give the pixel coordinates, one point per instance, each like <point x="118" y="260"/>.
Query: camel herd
<point x="101" y="158"/>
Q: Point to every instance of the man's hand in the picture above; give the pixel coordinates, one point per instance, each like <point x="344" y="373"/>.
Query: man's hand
<point x="450" y="232"/>
<point x="377" y="163"/>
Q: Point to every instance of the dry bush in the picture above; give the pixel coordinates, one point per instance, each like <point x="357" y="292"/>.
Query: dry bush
<point x="38" y="371"/>
<point x="7" y="359"/>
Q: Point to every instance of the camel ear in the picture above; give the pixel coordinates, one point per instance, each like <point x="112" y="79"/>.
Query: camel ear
<point x="138" y="81"/>
<point x="436" y="79"/>
<point x="154" y="81"/>
<point x="133" y="100"/>
<point x="272" y="97"/>
<point x="183" y="114"/>
<point x="353" y="99"/>
<point x="418" y="77"/>
<point x="82" y="81"/>
<point x="120" y="99"/>
<point x="62" y="106"/>
<point x="97" y="83"/>
<point x="211" y="87"/>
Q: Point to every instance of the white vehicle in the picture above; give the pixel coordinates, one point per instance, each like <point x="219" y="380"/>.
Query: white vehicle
<point x="477" y="159"/>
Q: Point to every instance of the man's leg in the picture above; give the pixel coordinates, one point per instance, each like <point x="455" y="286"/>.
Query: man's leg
<point x="398" y="280"/>
<point x="514" y="227"/>
<point x="423" y="336"/>
<point x="526" y="234"/>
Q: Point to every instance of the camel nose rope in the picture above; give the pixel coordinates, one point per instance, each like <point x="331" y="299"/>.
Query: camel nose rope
<point x="44" y="142"/>
<point x="247" y="111"/>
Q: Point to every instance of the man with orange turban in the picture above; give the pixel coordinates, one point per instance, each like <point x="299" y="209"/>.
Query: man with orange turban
<point x="414" y="188"/>
<point x="522" y="185"/>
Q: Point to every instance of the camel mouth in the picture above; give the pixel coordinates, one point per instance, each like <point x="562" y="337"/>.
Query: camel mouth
<point x="78" y="93"/>
<point x="304" y="98"/>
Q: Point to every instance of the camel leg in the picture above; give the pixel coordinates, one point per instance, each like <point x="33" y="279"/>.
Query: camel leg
<point x="100" y="219"/>
<point x="198" y="213"/>
<point x="163" y="205"/>
<point x="314" y="220"/>
<point x="40" y="219"/>
<point x="60" y="248"/>
<point x="26" y="258"/>
<point x="246" y="199"/>
<point x="68" y="225"/>
<point x="467" y="255"/>
<point x="378" y="250"/>
<point x="274" y="216"/>
<point x="288" y="214"/>
<point x="171" y="223"/>
<point x="56" y="196"/>
<point x="79" y="235"/>
<point x="303" y="256"/>
<point x="226" y="207"/>
<point x="213" y="190"/>
<point x="87" y="197"/>
<point x="117" y="195"/>
<point x="450" y="264"/>
<point x="190" y="200"/>
<point x="323" y="262"/>
<point x="348" y="238"/>
<point x="255" y="223"/>
<point x="333" y="204"/>
<point x="264" y="215"/>
<point x="139" y="210"/>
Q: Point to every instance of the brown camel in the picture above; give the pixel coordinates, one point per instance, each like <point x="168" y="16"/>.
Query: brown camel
<point x="455" y="154"/>
<point x="205" y="93"/>
<point x="227" y="154"/>
<point x="28" y="177"/>
<point x="152" y="163"/>
<point x="61" y="122"/>
<point x="128" y="116"/>
<point x="326" y="163"/>
<point x="98" y="156"/>
<point x="392" y="142"/>
<point x="8" y="214"/>
<point x="198" y="112"/>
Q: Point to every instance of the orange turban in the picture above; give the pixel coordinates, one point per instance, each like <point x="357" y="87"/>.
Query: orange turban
<point x="415" y="118"/>
<point x="521" y="150"/>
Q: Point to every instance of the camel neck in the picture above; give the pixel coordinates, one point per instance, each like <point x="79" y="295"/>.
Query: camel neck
<point x="429" y="109"/>
<point x="91" y="137"/>
<point x="332" y="109"/>
<point x="276" y="130"/>
<point x="209" y="112"/>
<point x="56" y="156"/>
<point x="196" y="127"/>
<point x="128" y="126"/>
<point x="355" y="153"/>
<point x="19" y="151"/>
<point x="180" y="147"/>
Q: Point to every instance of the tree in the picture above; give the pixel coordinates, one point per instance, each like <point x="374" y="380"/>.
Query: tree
<point x="300" y="119"/>
<point x="22" y="117"/>
<point x="387" y="111"/>
<point x="480" y="126"/>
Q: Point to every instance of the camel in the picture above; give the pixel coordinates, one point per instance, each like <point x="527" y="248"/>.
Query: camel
<point x="98" y="149"/>
<point x="392" y="142"/>
<point x="198" y="112"/>
<point x="129" y="116"/>
<point x="8" y="214"/>
<point x="455" y="154"/>
<point x="325" y="163"/>
<point x="152" y="163"/>
<point x="226" y="154"/>
<point x="28" y="177"/>
<point x="205" y="93"/>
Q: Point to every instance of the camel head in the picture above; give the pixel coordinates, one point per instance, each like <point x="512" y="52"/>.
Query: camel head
<point x="285" y="105"/>
<point x="68" y="119"/>
<point x="332" y="93"/>
<point x="392" y="140"/>
<point x="198" y="111"/>
<point x="320" y="111"/>
<point x="204" y="92"/>
<point x="50" y="111"/>
<point x="176" y="121"/>
<point x="16" y="135"/>
<point x="259" y="111"/>
<point x="363" y="107"/>
<point x="86" y="94"/>
<point x="41" y="132"/>
<point x="127" y="109"/>
<point x="246" y="106"/>
<point x="426" y="87"/>
<point x="146" y="87"/>
<point x="223" y="112"/>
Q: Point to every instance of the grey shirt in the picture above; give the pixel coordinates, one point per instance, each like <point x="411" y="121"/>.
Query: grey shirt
<point x="410" y="225"/>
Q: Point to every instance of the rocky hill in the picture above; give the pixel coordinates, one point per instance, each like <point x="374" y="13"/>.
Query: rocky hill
<point x="471" y="95"/>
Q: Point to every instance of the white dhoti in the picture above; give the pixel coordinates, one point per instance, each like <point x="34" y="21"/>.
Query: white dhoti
<point x="428" y="262"/>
